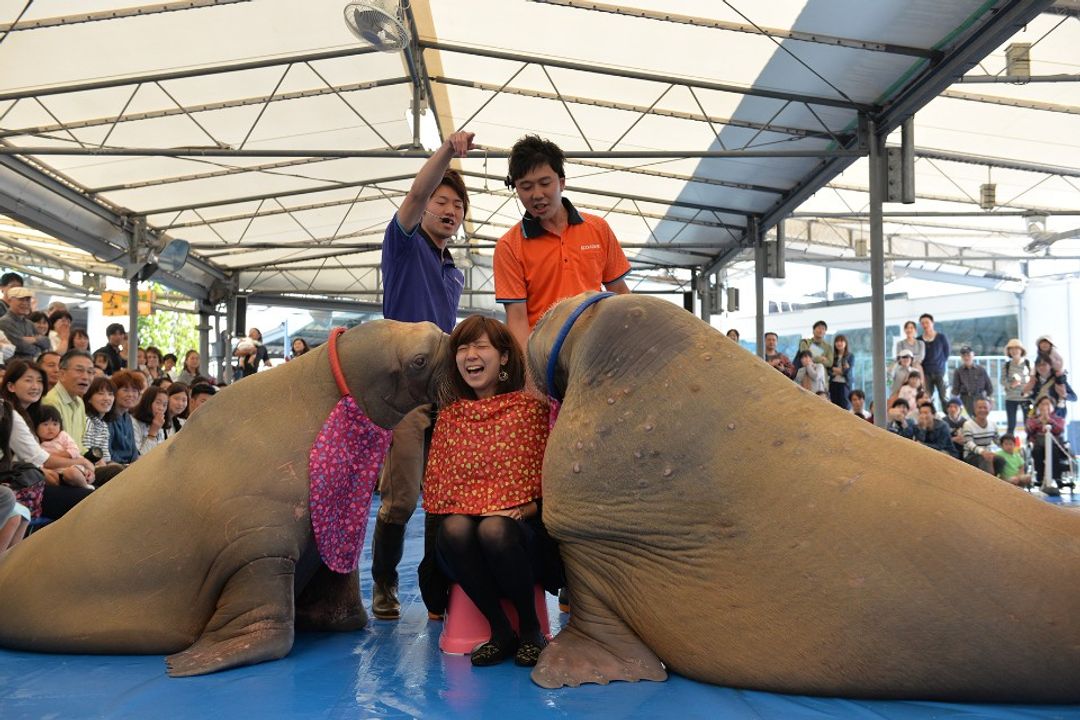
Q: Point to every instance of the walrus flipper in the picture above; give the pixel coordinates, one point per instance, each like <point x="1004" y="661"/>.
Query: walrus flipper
<point x="253" y="621"/>
<point x="577" y="655"/>
<point x="331" y="603"/>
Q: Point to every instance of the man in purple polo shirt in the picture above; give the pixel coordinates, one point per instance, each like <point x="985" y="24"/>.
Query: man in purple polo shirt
<point x="420" y="283"/>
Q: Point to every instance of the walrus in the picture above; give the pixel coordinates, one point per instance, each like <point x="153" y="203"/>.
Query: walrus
<point x="717" y="520"/>
<point x="205" y="549"/>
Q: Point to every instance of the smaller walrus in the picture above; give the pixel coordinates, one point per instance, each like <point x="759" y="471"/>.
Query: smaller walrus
<point x="211" y="545"/>
<point x="717" y="520"/>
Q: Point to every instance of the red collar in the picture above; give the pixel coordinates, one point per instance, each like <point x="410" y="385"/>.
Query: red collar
<point x="335" y="363"/>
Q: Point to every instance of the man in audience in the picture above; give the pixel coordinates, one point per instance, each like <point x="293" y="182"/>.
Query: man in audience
<point x="971" y="381"/>
<point x="777" y="359"/>
<point x="200" y="393"/>
<point x="50" y="363"/>
<point x="168" y="366"/>
<point x="899" y="422"/>
<point x="955" y="419"/>
<point x="979" y="437"/>
<point x="931" y="431"/>
<point x="937" y="355"/>
<point x="857" y="398"/>
<point x="820" y="349"/>
<point x="114" y="349"/>
<point x="76" y="372"/>
<point x="18" y="327"/>
<point x="8" y="281"/>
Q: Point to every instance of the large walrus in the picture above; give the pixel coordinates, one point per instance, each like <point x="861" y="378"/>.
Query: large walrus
<point x="718" y="520"/>
<point x="199" y="548"/>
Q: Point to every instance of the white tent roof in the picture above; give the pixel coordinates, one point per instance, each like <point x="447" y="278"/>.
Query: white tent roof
<point x="277" y="144"/>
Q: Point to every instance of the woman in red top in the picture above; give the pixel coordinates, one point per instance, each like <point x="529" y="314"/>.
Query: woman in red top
<point x="1042" y="421"/>
<point x="482" y="485"/>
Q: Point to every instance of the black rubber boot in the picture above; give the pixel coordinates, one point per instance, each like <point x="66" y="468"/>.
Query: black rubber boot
<point x="387" y="546"/>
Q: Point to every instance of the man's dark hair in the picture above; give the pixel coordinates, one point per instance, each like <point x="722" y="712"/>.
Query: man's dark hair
<point x="113" y="329"/>
<point x="11" y="278"/>
<point x="901" y="401"/>
<point x="857" y="393"/>
<point x="926" y="315"/>
<point x="773" y="334"/>
<point x="169" y="356"/>
<point x="926" y="403"/>
<point x="529" y="153"/>
<point x="74" y="353"/>
<point x="203" y="389"/>
<point x="452" y="179"/>
<point x="821" y="323"/>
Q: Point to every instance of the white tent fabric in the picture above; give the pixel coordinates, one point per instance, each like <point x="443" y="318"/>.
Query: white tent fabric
<point x="192" y="92"/>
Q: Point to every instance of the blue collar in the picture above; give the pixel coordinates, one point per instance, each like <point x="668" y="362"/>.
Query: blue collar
<point x="561" y="338"/>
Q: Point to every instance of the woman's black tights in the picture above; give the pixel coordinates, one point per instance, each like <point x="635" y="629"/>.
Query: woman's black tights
<point x="488" y="557"/>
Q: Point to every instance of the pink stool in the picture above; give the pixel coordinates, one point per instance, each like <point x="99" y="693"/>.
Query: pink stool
<point x="464" y="627"/>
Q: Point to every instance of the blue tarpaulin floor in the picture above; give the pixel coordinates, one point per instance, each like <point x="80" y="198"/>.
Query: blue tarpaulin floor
<point x="395" y="670"/>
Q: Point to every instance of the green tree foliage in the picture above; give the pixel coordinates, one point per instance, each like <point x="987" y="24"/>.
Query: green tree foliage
<point x="170" y="332"/>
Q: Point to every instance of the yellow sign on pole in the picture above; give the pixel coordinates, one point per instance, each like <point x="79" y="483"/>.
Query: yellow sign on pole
<point x="115" y="302"/>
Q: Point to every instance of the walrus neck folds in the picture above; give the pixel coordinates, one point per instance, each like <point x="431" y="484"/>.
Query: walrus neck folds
<point x="567" y="326"/>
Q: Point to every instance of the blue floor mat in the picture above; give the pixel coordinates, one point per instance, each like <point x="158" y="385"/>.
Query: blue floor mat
<point x="395" y="670"/>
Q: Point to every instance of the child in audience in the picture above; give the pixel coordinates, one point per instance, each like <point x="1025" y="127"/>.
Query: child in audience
<point x="49" y="427"/>
<point x="810" y="376"/>
<point x="1013" y="469"/>
<point x="99" y="399"/>
<point x="912" y="392"/>
<point x="1049" y="352"/>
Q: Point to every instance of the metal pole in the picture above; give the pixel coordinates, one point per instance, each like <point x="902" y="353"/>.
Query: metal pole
<point x="703" y="297"/>
<point x="877" y="271"/>
<point x="204" y="340"/>
<point x="133" y="321"/>
<point x="759" y="286"/>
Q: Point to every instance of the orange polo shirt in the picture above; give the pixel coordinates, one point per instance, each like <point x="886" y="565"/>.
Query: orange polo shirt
<point x="539" y="268"/>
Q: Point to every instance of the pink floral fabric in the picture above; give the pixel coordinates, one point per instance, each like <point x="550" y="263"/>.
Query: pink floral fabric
<point x="343" y="467"/>
<point x="553" y="411"/>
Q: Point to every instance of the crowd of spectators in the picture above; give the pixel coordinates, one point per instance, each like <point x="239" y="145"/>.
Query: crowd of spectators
<point x="72" y="419"/>
<point x="1036" y="396"/>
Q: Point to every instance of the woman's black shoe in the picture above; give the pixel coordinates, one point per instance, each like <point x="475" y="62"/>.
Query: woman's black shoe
<point x="491" y="653"/>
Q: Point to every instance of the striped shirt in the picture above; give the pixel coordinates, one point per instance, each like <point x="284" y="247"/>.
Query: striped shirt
<point x="978" y="438"/>
<point x="97" y="436"/>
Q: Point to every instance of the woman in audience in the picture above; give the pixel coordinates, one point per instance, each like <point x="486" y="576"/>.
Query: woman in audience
<point x="164" y="382"/>
<point x="41" y="322"/>
<point x="1041" y="382"/>
<point x="841" y="378"/>
<point x="67" y="480"/>
<point x="485" y="491"/>
<point x="80" y="340"/>
<point x="191" y="368"/>
<point x="123" y="447"/>
<point x="60" y="331"/>
<point x="148" y="419"/>
<point x="299" y="347"/>
<point x="912" y="344"/>
<point x="177" y="414"/>
<point x="904" y="366"/>
<point x="99" y="399"/>
<point x="1043" y="421"/>
<point x="20" y="492"/>
<point x="1015" y="374"/>
<point x="153" y="364"/>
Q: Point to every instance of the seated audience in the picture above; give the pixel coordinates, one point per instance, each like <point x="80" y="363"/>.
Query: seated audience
<point x="1042" y="423"/>
<point x="123" y="447"/>
<point x="1012" y="470"/>
<point x="41" y="322"/>
<point x="899" y="422"/>
<point x="168" y="366"/>
<point x="979" y="437"/>
<point x="79" y="340"/>
<point x="858" y="404"/>
<point x="955" y="419"/>
<point x="60" y="332"/>
<point x="153" y="365"/>
<point x="19" y="329"/>
<point x="67" y="480"/>
<point x="148" y="419"/>
<point x="49" y="361"/>
<point x="177" y="413"/>
<point x="190" y="371"/>
<point x="200" y="393"/>
<point x="99" y="399"/>
<point x="932" y="431"/>
<point x="75" y="373"/>
<point x="489" y="537"/>
<point x="49" y="427"/>
<point x="911" y="392"/>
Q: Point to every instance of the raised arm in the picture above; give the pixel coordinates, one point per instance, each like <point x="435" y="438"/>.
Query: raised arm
<point x="429" y="177"/>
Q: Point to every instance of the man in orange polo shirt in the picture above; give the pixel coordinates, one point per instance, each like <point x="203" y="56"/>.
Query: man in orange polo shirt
<point x="555" y="251"/>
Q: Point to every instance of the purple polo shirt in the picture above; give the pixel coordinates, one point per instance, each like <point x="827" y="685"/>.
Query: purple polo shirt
<point x="420" y="282"/>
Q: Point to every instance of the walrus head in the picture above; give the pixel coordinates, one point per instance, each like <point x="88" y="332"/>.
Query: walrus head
<point x="390" y="367"/>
